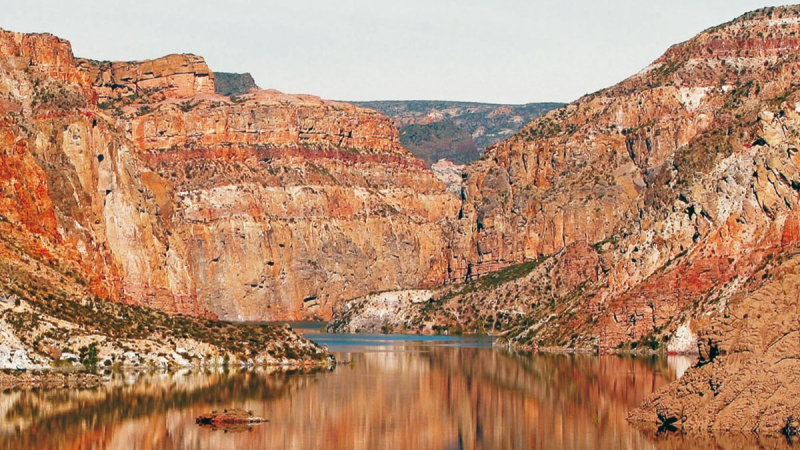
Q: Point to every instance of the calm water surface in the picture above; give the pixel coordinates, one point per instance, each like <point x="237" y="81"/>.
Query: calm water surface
<point x="395" y="392"/>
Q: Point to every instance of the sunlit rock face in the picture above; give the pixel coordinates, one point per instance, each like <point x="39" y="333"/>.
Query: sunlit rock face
<point x="140" y="180"/>
<point x="76" y="215"/>
<point x="631" y="217"/>
<point x="158" y="191"/>
<point x="286" y="204"/>
<point x="680" y="183"/>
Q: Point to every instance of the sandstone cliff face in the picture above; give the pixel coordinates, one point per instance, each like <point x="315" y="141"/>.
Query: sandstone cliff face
<point x="681" y="178"/>
<point x="173" y="76"/>
<point x="79" y="228"/>
<point x="76" y="188"/>
<point x="287" y="204"/>
<point x="637" y="210"/>
<point x="151" y="188"/>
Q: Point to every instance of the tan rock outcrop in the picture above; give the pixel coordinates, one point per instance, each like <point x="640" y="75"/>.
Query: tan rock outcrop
<point x="288" y="204"/>
<point x="173" y="76"/>
<point x="747" y="378"/>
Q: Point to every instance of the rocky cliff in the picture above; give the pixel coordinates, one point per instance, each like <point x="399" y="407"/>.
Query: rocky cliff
<point x="286" y="204"/>
<point x="676" y="186"/>
<point x="143" y="182"/>
<point x="81" y="231"/>
<point x="748" y="373"/>
<point x="631" y="217"/>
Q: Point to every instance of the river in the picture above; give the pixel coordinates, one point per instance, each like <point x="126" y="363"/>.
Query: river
<point x="390" y="392"/>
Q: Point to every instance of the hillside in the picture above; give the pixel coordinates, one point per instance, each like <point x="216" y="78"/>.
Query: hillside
<point x="641" y="217"/>
<point x="456" y="131"/>
<point x="85" y="251"/>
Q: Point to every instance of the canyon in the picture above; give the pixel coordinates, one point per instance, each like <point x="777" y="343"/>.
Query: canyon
<point x="659" y="214"/>
<point x="636" y="211"/>
<point x="656" y="215"/>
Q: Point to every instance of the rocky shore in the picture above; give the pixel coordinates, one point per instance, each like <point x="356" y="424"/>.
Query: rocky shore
<point x="748" y="376"/>
<point x="98" y="335"/>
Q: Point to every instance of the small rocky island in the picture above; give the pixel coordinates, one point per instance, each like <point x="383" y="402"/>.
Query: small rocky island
<point x="229" y="420"/>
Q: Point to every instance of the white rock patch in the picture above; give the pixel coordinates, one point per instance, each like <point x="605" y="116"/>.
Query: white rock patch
<point x="692" y="98"/>
<point x="385" y="308"/>
<point x="13" y="354"/>
<point x="684" y="340"/>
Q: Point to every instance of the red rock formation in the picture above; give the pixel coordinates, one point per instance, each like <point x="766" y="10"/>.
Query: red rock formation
<point x="163" y="193"/>
<point x="173" y="76"/>
<point x="681" y="177"/>
<point x="639" y="208"/>
<point x="747" y="379"/>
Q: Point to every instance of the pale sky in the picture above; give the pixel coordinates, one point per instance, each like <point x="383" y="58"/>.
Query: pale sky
<point x="502" y="51"/>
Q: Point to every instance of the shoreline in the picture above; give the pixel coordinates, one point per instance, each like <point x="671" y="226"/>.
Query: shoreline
<point x="595" y="351"/>
<point x="54" y="378"/>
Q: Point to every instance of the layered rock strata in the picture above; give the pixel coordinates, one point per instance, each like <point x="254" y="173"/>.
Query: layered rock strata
<point x="141" y="181"/>
<point x="639" y="210"/>
<point x="286" y="204"/>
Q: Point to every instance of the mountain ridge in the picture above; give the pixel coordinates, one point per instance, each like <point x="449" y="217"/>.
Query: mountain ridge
<point x="454" y="130"/>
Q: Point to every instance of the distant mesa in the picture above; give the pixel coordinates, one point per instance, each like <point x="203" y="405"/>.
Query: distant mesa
<point x="457" y="131"/>
<point x="234" y="83"/>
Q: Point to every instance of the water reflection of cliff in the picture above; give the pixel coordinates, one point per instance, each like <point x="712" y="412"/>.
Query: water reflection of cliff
<point x="135" y="411"/>
<point x="439" y="398"/>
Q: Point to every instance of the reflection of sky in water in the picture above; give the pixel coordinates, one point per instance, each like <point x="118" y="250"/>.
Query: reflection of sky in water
<point x="386" y="342"/>
<point x="338" y="342"/>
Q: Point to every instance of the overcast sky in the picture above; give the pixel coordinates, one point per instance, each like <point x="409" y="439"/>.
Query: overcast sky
<point x="505" y="51"/>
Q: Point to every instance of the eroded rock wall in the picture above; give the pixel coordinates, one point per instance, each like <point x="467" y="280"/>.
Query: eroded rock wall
<point x="747" y="377"/>
<point x="680" y="178"/>
<point x="153" y="189"/>
<point x="646" y="205"/>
